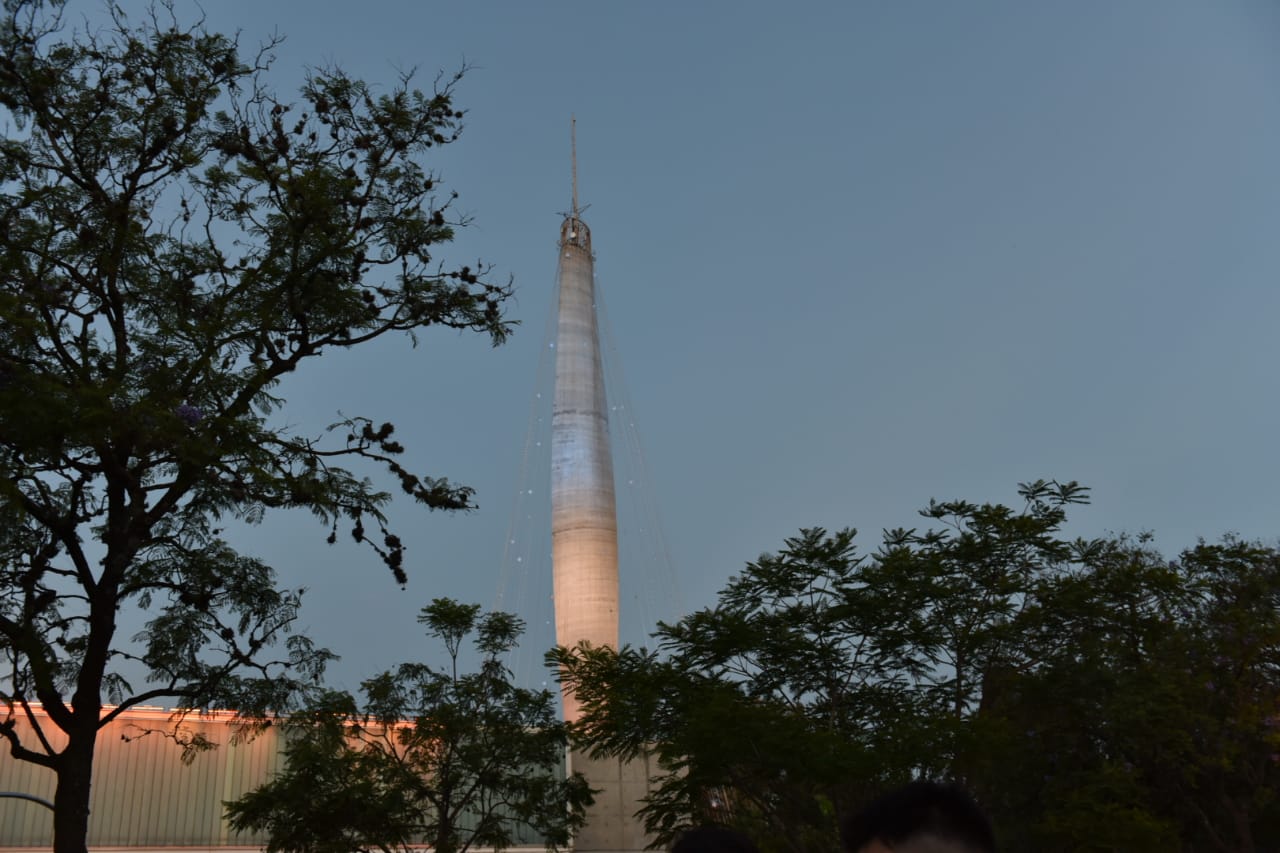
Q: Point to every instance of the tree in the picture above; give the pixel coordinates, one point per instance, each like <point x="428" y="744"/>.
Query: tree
<point x="1093" y="694"/>
<point x="1230" y="788"/>
<point x="821" y="675"/>
<point x="177" y="242"/>
<point x="1052" y="757"/>
<point x="1150" y="722"/>
<point x="769" y="712"/>
<point x="437" y="757"/>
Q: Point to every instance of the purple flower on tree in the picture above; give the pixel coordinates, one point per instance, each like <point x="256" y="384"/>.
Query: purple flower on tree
<point x="189" y="414"/>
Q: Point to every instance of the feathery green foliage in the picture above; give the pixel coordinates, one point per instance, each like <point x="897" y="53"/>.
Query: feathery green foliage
<point x="1093" y="694"/>
<point x="439" y="757"/>
<point x="175" y="242"/>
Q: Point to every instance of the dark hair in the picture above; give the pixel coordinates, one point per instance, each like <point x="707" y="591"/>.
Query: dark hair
<point x="713" y="839"/>
<point x="920" y="810"/>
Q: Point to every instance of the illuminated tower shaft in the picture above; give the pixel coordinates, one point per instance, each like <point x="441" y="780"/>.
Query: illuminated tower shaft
<point x="584" y="532"/>
<point x="584" y="525"/>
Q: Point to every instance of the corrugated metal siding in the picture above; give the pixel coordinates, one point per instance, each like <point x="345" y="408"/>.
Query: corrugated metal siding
<point x="143" y="795"/>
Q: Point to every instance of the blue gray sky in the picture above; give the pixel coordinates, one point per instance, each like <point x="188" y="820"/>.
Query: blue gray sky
<point x="855" y="256"/>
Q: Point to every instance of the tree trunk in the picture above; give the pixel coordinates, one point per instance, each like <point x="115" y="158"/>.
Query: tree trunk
<point x="71" y="799"/>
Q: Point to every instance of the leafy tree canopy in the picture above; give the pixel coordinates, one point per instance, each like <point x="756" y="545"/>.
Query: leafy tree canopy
<point x="178" y="240"/>
<point x="435" y="756"/>
<point x="1094" y="694"/>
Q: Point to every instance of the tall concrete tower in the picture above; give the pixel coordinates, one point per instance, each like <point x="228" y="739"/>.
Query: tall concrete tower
<point x="584" y="525"/>
<point x="584" y="528"/>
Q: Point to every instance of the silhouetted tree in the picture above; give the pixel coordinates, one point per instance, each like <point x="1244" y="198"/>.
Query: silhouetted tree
<point x="436" y="756"/>
<point x="177" y="242"/>
<point x="1149" y="721"/>
<point x="1095" y="695"/>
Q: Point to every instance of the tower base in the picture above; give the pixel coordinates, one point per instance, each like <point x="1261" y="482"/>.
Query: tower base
<point x="612" y="825"/>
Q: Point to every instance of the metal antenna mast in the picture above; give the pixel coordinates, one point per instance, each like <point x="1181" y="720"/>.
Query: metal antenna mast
<point x="573" y="147"/>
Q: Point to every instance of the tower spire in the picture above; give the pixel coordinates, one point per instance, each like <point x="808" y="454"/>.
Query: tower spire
<point x="573" y="149"/>
<point x="584" y="525"/>
<point x="584" y="521"/>
<point x="573" y="231"/>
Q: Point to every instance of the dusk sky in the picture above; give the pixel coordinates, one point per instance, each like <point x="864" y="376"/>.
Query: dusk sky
<point x="854" y="256"/>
